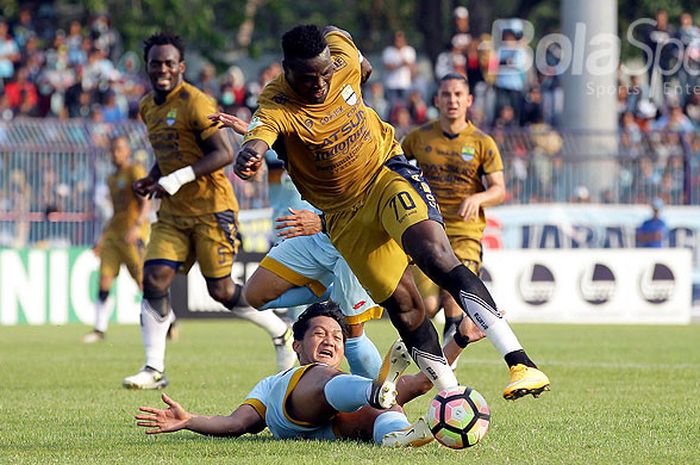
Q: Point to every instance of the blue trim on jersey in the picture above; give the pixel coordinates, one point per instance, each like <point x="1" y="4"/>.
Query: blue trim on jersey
<point x="163" y="261"/>
<point x="400" y="165"/>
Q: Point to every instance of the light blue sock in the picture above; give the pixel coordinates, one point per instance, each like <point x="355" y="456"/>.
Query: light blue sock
<point x="347" y="393"/>
<point x="363" y="356"/>
<point x="388" y="422"/>
<point x="301" y="295"/>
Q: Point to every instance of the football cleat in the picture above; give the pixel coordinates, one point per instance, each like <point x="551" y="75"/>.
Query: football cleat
<point x="416" y="435"/>
<point x="525" y="380"/>
<point x="286" y="357"/>
<point x="93" y="337"/>
<point x="383" y="392"/>
<point x="147" y="378"/>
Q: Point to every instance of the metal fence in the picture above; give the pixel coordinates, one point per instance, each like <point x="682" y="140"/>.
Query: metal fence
<point x="53" y="191"/>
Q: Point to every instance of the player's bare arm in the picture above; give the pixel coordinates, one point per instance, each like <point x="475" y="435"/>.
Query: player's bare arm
<point x="245" y="419"/>
<point x="493" y="195"/>
<point x="145" y="187"/>
<point x="230" y="121"/>
<point x="299" y="223"/>
<point x="134" y="230"/>
<point x="217" y="153"/>
<point x="250" y="158"/>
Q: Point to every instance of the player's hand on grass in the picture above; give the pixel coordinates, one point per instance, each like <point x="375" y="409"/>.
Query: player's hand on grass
<point x="299" y="223"/>
<point x="169" y="420"/>
<point x="470" y="330"/>
<point x="230" y="121"/>
<point x="469" y="210"/>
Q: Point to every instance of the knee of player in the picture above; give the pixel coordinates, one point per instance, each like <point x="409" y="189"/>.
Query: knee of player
<point x="155" y="283"/>
<point x="222" y="290"/>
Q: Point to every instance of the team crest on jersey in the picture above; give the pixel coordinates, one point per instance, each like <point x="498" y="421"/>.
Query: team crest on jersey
<point x="349" y="95"/>
<point x="468" y="153"/>
<point x="170" y="117"/>
<point x="338" y="63"/>
<point x="308" y="123"/>
<point x="121" y="183"/>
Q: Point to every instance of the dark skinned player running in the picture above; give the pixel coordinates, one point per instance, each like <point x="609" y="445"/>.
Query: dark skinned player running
<point x="378" y="208"/>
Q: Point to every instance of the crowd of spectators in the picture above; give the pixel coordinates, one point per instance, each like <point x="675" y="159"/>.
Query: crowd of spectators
<point x="82" y="73"/>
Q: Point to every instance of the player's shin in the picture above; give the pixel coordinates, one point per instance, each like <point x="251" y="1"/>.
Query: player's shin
<point x="424" y="346"/>
<point x="102" y="311"/>
<point x="154" y="329"/>
<point x="471" y="294"/>
<point x="347" y="393"/>
<point x="388" y="422"/>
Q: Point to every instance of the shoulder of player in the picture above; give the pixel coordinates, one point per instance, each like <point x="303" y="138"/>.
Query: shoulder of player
<point x="191" y="93"/>
<point x="274" y="95"/>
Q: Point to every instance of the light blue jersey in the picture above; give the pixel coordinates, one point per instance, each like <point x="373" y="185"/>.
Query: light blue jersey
<point x="283" y="195"/>
<point x="269" y="398"/>
<point x="315" y="258"/>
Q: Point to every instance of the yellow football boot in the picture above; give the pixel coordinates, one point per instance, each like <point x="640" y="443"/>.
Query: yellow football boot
<point x="525" y="380"/>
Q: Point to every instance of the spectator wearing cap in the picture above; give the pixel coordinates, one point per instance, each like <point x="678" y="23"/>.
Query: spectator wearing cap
<point x="399" y="62"/>
<point x="453" y="60"/>
<point x="653" y="232"/>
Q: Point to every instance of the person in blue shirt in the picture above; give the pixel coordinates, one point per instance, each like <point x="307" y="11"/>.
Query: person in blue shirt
<point x="653" y="232"/>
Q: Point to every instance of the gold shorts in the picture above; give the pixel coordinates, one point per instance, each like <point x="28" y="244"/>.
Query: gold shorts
<point x="209" y="238"/>
<point x="115" y="251"/>
<point x="369" y="235"/>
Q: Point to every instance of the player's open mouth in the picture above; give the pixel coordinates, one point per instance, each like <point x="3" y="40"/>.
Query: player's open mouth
<point x="163" y="81"/>
<point x="326" y="353"/>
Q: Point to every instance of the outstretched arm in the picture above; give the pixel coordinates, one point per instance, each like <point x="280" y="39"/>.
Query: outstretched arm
<point x="250" y="158"/>
<point x="244" y="419"/>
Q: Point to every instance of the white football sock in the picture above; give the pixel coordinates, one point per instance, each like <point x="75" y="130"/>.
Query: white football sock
<point x="266" y="319"/>
<point x="154" y="330"/>
<point x="435" y="367"/>
<point x="496" y="328"/>
<point x="102" y="314"/>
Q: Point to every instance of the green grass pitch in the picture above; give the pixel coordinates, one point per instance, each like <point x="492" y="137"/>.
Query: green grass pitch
<point x="620" y="395"/>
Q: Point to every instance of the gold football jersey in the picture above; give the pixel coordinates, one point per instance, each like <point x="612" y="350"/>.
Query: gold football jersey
<point x="173" y="129"/>
<point x="453" y="165"/>
<point x="124" y="201"/>
<point x="335" y="149"/>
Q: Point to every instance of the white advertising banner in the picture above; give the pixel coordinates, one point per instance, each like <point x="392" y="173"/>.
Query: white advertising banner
<point x="591" y="286"/>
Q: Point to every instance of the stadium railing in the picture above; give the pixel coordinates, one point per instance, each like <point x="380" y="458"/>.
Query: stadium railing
<point x="53" y="172"/>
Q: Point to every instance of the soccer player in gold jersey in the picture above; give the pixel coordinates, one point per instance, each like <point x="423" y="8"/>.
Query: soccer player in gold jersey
<point x="463" y="166"/>
<point x="378" y="207"/>
<point x="198" y="212"/>
<point x="123" y="239"/>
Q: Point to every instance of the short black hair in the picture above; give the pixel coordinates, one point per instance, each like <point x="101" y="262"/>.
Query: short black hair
<point x="454" y="76"/>
<point x="164" y="38"/>
<point x="329" y="309"/>
<point x="303" y="42"/>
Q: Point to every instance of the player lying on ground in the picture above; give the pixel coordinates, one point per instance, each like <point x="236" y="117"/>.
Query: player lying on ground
<point x="379" y="209"/>
<point x="316" y="400"/>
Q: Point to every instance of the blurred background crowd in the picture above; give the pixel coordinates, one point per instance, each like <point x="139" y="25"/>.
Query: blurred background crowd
<point x="72" y="82"/>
